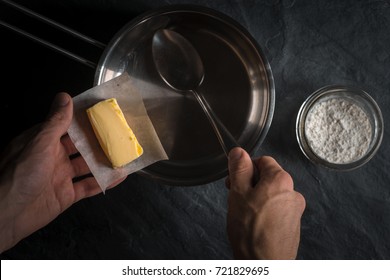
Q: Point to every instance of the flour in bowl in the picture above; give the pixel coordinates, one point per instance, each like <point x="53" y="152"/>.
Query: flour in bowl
<point x="338" y="130"/>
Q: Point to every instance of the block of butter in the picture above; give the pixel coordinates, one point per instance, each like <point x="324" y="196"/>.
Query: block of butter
<point x="113" y="133"/>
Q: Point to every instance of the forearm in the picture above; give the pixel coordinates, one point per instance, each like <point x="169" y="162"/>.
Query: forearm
<point x="7" y="218"/>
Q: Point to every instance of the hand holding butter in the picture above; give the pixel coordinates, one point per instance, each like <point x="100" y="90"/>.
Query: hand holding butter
<point x="112" y="130"/>
<point x="115" y="136"/>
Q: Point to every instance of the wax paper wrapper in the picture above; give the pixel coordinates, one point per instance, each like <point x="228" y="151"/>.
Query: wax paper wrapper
<point x="130" y="100"/>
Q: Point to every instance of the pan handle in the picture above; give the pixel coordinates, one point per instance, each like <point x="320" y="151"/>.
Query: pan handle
<point x="56" y="25"/>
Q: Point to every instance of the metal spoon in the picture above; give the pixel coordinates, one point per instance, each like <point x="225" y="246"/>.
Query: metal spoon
<point x="181" y="67"/>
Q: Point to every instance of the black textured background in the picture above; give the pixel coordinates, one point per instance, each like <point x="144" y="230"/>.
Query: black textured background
<point x="309" y="44"/>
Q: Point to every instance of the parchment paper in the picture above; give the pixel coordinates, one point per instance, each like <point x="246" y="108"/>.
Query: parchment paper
<point x="131" y="103"/>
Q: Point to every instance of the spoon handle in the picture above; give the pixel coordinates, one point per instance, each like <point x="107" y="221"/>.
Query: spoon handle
<point x="224" y="136"/>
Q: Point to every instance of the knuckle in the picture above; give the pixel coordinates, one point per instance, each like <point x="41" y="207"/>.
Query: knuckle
<point x="299" y="201"/>
<point x="57" y="117"/>
<point x="238" y="168"/>
<point x="293" y="200"/>
<point x="283" y="178"/>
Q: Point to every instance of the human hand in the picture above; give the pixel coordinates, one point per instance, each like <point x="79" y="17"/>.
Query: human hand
<point x="263" y="221"/>
<point x="41" y="175"/>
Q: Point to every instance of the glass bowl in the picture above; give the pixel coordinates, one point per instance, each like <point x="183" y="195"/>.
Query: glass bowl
<point x="339" y="127"/>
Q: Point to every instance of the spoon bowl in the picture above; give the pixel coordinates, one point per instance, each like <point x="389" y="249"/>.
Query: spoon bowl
<point x="177" y="61"/>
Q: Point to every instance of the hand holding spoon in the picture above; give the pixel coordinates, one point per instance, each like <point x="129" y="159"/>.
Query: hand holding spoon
<point x="180" y="66"/>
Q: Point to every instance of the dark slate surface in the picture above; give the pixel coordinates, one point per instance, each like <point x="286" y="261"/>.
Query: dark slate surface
<point x="309" y="44"/>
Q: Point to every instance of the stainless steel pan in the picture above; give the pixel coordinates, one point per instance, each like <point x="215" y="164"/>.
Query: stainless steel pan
<point x="239" y="87"/>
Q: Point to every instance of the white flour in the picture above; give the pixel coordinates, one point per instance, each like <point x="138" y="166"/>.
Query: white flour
<point x="338" y="130"/>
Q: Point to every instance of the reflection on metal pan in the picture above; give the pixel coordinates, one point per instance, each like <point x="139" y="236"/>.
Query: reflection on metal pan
<point x="238" y="85"/>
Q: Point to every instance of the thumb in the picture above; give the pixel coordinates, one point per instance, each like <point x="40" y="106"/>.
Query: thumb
<point x="240" y="169"/>
<point x="60" y="115"/>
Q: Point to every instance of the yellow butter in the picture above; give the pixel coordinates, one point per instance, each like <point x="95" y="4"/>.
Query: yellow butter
<point x="113" y="132"/>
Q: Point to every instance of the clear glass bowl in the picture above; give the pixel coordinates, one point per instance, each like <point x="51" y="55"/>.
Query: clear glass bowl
<point x="351" y="95"/>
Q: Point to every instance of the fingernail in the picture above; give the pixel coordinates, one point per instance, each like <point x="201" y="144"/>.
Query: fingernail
<point x="235" y="154"/>
<point x="62" y="99"/>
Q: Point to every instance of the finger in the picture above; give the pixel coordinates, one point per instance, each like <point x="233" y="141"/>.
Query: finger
<point x="240" y="169"/>
<point x="272" y="176"/>
<point x="89" y="187"/>
<point x="70" y="148"/>
<point x="60" y="116"/>
<point x="80" y="167"/>
<point x="86" y="188"/>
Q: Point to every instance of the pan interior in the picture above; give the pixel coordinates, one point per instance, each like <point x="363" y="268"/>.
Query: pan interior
<point x="238" y="85"/>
